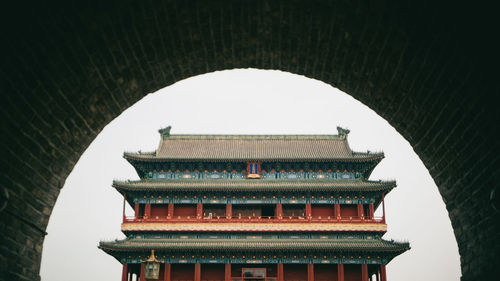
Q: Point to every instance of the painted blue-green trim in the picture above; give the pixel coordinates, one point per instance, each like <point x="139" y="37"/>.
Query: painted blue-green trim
<point x="293" y="258"/>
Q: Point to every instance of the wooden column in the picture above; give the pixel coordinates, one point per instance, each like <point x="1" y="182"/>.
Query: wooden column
<point x="147" y="211"/>
<point x="142" y="276"/>
<point x="364" y="272"/>
<point x="229" y="210"/>
<point x="166" y="272"/>
<point x="310" y="272"/>
<point x="227" y="273"/>
<point x="336" y="209"/>
<point x="170" y="211"/>
<point x="124" y="202"/>
<point x="383" y="276"/>
<point x="199" y="210"/>
<point x="308" y="210"/>
<point x="124" y="272"/>
<point x="279" y="211"/>
<point x="197" y="272"/>
<point x="136" y="210"/>
<point x="360" y="211"/>
<point x="372" y="211"/>
<point x="340" y="272"/>
<point x="383" y="208"/>
<point x="281" y="273"/>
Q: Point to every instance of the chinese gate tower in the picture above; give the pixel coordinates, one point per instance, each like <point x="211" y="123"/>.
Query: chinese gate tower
<point x="254" y="207"/>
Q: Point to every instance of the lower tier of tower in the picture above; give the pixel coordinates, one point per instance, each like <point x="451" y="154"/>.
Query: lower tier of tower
<point x="259" y="272"/>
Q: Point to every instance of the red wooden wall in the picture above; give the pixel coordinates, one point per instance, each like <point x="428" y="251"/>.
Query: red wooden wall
<point x="212" y="272"/>
<point x="325" y="272"/>
<point x="159" y="210"/>
<point x="323" y="211"/>
<point x="352" y="272"/>
<point x="185" y="210"/>
<point x="348" y="210"/>
<point x="182" y="272"/>
<point x="295" y="272"/>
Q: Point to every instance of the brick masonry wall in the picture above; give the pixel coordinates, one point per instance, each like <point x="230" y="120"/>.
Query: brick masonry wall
<point x="67" y="71"/>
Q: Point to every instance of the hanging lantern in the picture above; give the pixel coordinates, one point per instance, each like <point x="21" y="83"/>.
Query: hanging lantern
<point x="151" y="268"/>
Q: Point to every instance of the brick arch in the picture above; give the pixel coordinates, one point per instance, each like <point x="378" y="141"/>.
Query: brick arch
<point x="68" y="71"/>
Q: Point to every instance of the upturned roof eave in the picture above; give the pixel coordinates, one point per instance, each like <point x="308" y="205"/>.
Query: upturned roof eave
<point x="153" y="158"/>
<point x="312" y="245"/>
<point x="255" y="185"/>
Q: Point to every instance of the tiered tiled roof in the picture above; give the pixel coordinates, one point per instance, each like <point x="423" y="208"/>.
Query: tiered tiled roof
<point x="254" y="147"/>
<point x="225" y="245"/>
<point x="254" y="185"/>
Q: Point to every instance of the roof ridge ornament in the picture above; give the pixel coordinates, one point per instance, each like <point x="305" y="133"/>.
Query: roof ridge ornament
<point x="165" y="132"/>
<point x="343" y="132"/>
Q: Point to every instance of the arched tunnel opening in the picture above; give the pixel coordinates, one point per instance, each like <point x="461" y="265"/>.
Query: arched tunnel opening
<point x="244" y="101"/>
<point x="67" y="71"/>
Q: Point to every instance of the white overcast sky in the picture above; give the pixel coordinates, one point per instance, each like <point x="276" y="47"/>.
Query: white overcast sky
<point x="244" y="102"/>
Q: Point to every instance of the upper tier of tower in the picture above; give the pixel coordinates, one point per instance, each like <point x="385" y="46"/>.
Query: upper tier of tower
<point x="238" y="156"/>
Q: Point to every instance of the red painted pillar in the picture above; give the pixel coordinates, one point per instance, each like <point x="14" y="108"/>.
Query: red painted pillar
<point x="227" y="275"/>
<point x="364" y="272"/>
<point x="310" y="272"/>
<point x="199" y="211"/>
<point x="136" y="210"/>
<point x="197" y="272"/>
<point x="383" y="208"/>
<point x="383" y="276"/>
<point x="281" y="273"/>
<point x="170" y="210"/>
<point x="229" y="210"/>
<point x="361" y="215"/>
<point x="142" y="276"/>
<point x="147" y="211"/>
<point x="340" y="272"/>
<point x="337" y="210"/>
<point x="308" y="210"/>
<point x="124" y="272"/>
<point x="279" y="211"/>
<point x="372" y="211"/>
<point x="166" y="273"/>
<point x="124" y="202"/>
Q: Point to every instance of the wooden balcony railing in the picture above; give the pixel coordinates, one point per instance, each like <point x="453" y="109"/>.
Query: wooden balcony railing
<point x="254" y="279"/>
<point x="244" y="279"/>
<point x="252" y="219"/>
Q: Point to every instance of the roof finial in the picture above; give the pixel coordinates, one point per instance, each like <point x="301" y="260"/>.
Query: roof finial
<point x="343" y="132"/>
<point x="152" y="257"/>
<point x="165" y="132"/>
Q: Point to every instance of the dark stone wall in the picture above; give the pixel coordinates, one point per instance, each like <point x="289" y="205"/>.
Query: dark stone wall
<point x="67" y="69"/>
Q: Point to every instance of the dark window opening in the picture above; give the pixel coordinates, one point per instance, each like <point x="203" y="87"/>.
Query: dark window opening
<point x="291" y="211"/>
<point x="214" y="211"/>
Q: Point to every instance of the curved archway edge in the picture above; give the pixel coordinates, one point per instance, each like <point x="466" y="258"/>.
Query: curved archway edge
<point x="67" y="71"/>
